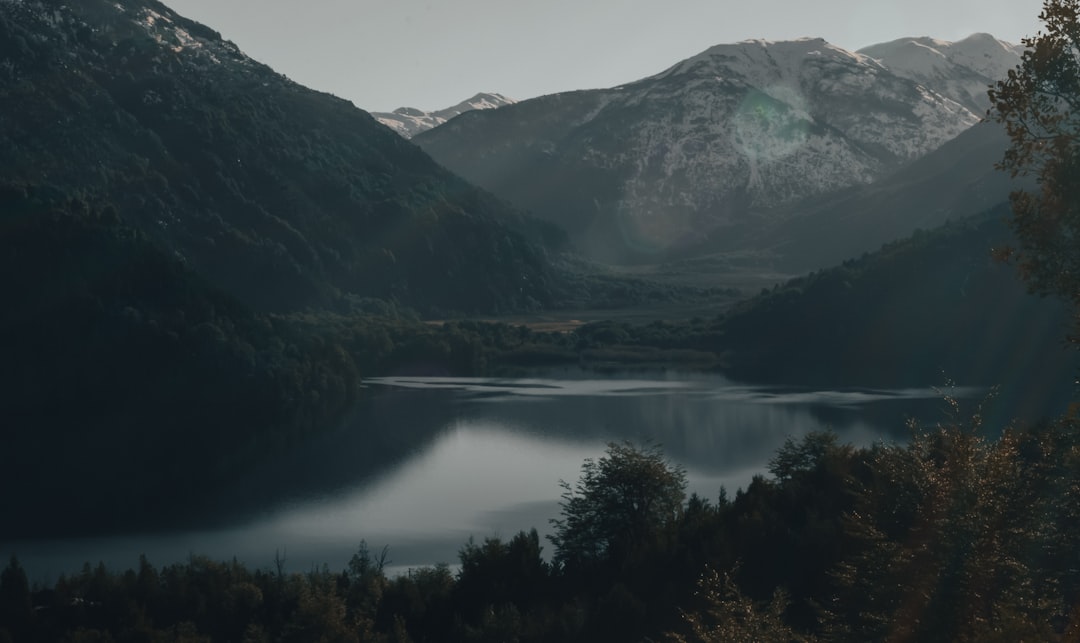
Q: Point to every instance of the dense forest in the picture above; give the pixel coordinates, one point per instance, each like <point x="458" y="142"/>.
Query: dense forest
<point x="280" y="195"/>
<point x="953" y="537"/>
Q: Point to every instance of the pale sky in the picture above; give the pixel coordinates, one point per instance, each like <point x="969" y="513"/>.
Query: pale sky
<point x="430" y="54"/>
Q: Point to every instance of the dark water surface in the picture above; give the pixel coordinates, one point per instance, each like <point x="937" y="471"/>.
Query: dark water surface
<point x="432" y="461"/>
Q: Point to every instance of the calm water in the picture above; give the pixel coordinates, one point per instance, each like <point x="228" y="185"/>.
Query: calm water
<point x="432" y="461"/>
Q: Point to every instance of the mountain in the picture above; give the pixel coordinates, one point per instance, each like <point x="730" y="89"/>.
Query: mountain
<point x="961" y="70"/>
<point x="409" y="121"/>
<point x="702" y="150"/>
<point x="284" y="197"/>
<point x="955" y="181"/>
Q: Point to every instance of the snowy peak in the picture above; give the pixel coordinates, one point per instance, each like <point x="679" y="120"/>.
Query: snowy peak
<point x="483" y="100"/>
<point x="961" y="70"/>
<point x="761" y="62"/>
<point x="409" y="121"/>
<point x="701" y="150"/>
<point x="986" y="55"/>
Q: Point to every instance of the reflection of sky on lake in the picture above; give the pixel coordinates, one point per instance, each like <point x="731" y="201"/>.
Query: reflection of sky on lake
<point x="484" y="457"/>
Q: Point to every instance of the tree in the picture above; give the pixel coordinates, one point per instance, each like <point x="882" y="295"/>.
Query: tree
<point x="622" y="501"/>
<point x="728" y="615"/>
<point x="1039" y="105"/>
<point x="15" y="609"/>
<point x="498" y="572"/>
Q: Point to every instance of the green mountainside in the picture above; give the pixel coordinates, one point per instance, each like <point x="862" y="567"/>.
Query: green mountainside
<point x="283" y="196"/>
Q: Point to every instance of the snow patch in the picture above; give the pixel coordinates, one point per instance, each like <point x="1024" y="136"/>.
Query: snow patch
<point x="962" y="70"/>
<point x="409" y="121"/>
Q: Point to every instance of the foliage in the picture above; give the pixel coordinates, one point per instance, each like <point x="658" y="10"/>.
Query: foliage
<point x="731" y="616"/>
<point x="932" y="306"/>
<point x="1039" y="104"/>
<point x="626" y="500"/>
<point x="947" y="534"/>
<point x="954" y="536"/>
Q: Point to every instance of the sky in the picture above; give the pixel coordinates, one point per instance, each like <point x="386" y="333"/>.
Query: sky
<point x="431" y="54"/>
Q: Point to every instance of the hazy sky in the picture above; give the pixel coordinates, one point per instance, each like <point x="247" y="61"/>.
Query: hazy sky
<point x="430" y="54"/>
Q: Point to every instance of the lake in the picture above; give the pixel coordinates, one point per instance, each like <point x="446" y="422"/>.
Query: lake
<point x="430" y="462"/>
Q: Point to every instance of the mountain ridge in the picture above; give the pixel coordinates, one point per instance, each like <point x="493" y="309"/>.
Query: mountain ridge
<point x="705" y="147"/>
<point x="962" y="70"/>
<point x="410" y="121"/>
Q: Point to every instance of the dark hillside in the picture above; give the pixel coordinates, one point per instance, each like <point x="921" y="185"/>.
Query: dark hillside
<point x="917" y="312"/>
<point x="283" y="196"/>
<point x="129" y="383"/>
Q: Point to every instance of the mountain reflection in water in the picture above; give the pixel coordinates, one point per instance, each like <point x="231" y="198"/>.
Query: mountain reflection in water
<point x="428" y="462"/>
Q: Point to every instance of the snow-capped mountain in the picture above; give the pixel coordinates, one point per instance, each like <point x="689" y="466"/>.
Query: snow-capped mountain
<point x="961" y="70"/>
<point x="706" y="147"/>
<point x="409" y="121"/>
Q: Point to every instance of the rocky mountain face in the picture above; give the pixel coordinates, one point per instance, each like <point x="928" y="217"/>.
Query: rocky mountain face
<point x="704" y="150"/>
<point x="961" y="70"/>
<point x="954" y="182"/>
<point x="283" y="196"/>
<point x="409" y="121"/>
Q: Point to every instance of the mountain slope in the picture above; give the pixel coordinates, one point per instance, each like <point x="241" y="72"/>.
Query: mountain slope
<point x="409" y="121"/>
<point x="953" y="182"/>
<point x="932" y="307"/>
<point x="141" y="385"/>
<point x="283" y="196"/>
<point x="702" y="149"/>
<point x="962" y="70"/>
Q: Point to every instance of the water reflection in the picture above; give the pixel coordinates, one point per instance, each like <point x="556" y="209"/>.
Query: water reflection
<point x="427" y="463"/>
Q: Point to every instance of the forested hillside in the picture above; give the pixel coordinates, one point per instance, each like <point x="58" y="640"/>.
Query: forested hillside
<point x="937" y="303"/>
<point x="282" y="196"/>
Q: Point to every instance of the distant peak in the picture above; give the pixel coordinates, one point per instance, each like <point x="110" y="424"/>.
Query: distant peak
<point x="490" y="96"/>
<point x="978" y="39"/>
<point x="409" y="121"/>
<point x="960" y="70"/>
<point x="980" y="36"/>
<point x="485" y="100"/>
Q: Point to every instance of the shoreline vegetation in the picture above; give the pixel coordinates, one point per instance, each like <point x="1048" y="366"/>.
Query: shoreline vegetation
<point x="953" y="536"/>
